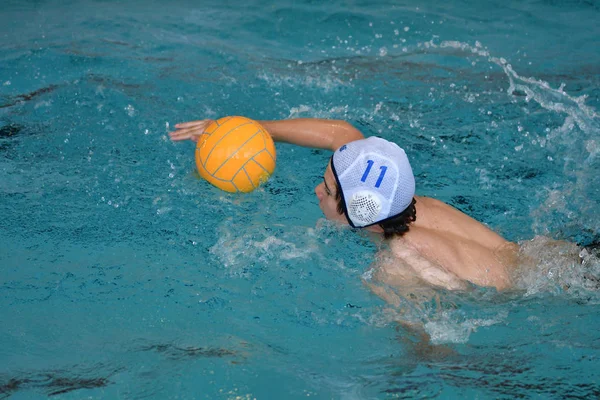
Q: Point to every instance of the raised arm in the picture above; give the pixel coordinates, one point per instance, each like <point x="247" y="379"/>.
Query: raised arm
<point x="317" y="133"/>
<point x="307" y="132"/>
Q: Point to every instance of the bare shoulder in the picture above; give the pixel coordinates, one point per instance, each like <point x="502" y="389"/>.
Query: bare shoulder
<point x="430" y="206"/>
<point x="437" y="217"/>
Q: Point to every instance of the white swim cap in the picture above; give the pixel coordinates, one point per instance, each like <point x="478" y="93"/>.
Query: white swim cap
<point x="375" y="179"/>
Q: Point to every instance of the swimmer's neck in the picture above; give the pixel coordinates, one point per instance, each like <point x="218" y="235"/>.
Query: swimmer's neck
<point x="421" y="207"/>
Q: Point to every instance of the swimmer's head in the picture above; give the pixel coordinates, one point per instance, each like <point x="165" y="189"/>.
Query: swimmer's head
<point x="375" y="182"/>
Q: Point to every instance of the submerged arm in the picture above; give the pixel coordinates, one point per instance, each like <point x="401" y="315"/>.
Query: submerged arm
<point x="408" y="298"/>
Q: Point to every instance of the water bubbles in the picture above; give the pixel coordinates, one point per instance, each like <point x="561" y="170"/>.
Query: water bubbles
<point x="556" y="266"/>
<point x="591" y="146"/>
<point x="484" y="179"/>
<point x="44" y="103"/>
<point x="383" y="52"/>
<point x="130" y="110"/>
<point x="7" y="83"/>
<point x="163" y="210"/>
<point x="406" y="29"/>
<point x="451" y="327"/>
<point x="378" y="107"/>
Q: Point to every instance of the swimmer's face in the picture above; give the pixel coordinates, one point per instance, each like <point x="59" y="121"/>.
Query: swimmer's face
<point x="326" y="193"/>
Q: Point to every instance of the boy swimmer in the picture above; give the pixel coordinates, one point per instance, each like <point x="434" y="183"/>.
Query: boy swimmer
<point x="369" y="184"/>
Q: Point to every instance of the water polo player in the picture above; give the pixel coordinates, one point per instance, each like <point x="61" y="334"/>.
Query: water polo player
<point x="369" y="184"/>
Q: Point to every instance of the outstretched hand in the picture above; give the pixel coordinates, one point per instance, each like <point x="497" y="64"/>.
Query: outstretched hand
<point x="189" y="130"/>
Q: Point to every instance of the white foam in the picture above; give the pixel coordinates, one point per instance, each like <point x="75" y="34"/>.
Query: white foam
<point x="446" y="329"/>
<point x="556" y="267"/>
<point x="237" y="251"/>
<point x="272" y="244"/>
<point x="326" y="81"/>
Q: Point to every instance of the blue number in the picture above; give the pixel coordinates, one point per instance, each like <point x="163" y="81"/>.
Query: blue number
<point x="369" y="165"/>
<point x="383" y="168"/>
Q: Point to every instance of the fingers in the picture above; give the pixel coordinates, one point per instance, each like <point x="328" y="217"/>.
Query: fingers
<point x="177" y="136"/>
<point x="185" y="134"/>
<point x="189" y="130"/>
<point x="192" y="124"/>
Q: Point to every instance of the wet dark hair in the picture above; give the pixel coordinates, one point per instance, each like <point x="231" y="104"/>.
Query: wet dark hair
<point x="394" y="226"/>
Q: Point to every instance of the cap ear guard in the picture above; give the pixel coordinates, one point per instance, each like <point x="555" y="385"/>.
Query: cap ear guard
<point x="364" y="207"/>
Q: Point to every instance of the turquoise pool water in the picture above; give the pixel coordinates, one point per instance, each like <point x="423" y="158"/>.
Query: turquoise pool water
<point x="125" y="276"/>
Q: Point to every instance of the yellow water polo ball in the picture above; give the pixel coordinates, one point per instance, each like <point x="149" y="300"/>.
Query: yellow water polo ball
<point x="236" y="154"/>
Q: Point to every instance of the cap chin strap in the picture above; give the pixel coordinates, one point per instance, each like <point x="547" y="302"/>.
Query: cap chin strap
<point x="341" y="192"/>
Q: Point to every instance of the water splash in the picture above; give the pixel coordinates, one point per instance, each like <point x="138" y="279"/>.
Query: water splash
<point x="558" y="267"/>
<point x="568" y="210"/>
<point x="240" y="254"/>
<point x="448" y="328"/>
<point x="537" y="90"/>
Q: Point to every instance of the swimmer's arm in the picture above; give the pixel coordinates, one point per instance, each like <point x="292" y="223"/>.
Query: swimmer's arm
<point x="308" y="132"/>
<point x="436" y="276"/>
<point x="407" y="303"/>
<point x="428" y="271"/>
<point x="311" y="132"/>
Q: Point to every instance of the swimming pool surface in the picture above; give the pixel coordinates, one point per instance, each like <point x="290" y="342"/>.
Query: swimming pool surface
<point x="123" y="275"/>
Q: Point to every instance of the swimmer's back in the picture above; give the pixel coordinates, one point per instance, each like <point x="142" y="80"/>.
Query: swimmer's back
<point x="443" y="218"/>
<point x="458" y="244"/>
